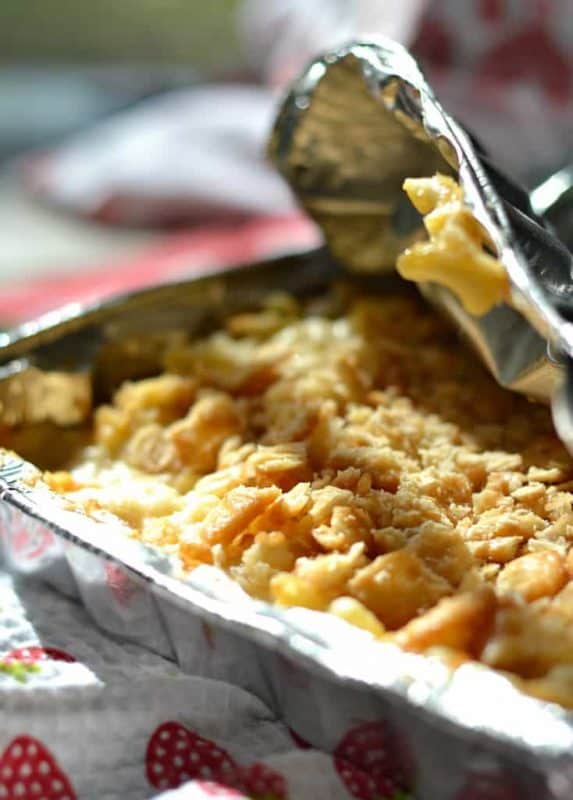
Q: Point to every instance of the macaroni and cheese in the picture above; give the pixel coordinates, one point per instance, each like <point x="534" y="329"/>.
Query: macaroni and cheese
<point x="352" y="457"/>
<point x="456" y="253"/>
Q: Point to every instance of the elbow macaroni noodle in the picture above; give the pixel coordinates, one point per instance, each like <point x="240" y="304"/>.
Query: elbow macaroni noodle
<point x="455" y="253"/>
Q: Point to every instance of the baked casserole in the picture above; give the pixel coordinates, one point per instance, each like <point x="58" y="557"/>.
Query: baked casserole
<point x="349" y="455"/>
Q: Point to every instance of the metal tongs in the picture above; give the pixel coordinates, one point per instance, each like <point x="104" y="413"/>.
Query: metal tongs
<point x="363" y="118"/>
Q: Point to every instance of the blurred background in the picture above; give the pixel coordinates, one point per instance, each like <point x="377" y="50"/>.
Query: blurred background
<point x="65" y="64"/>
<point x="63" y="67"/>
<point x="132" y="133"/>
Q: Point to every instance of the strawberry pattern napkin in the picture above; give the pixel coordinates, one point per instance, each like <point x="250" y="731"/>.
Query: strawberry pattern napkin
<point x="85" y="717"/>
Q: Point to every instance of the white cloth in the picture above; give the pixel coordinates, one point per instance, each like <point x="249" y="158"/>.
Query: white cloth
<point x="90" y="722"/>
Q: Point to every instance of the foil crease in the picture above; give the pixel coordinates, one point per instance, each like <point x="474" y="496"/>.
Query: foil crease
<point x="316" y="672"/>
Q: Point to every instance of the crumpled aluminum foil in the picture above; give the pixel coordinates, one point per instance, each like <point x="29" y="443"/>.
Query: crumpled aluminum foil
<point x="356" y="124"/>
<point x="461" y="730"/>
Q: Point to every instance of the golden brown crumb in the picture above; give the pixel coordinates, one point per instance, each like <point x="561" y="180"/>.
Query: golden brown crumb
<point x="460" y="623"/>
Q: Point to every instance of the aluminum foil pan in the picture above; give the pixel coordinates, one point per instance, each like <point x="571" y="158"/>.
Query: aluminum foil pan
<point x="356" y="124"/>
<point x="450" y="736"/>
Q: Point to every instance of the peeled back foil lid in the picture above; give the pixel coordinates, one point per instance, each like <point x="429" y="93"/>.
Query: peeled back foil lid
<point x="354" y="126"/>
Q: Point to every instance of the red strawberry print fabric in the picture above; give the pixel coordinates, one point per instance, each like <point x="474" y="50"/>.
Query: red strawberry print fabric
<point x="372" y="763"/>
<point x="35" y="653"/>
<point x="121" y="586"/>
<point x="29" y="541"/>
<point x="260" y="781"/>
<point x="28" y="771"/>
<point x="176" y="755"/>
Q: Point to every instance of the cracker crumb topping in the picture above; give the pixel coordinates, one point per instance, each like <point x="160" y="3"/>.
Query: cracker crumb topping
<point x="360" y="463"/>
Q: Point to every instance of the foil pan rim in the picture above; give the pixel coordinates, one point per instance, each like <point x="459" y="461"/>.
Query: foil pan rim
<point x="313" y="639"/>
